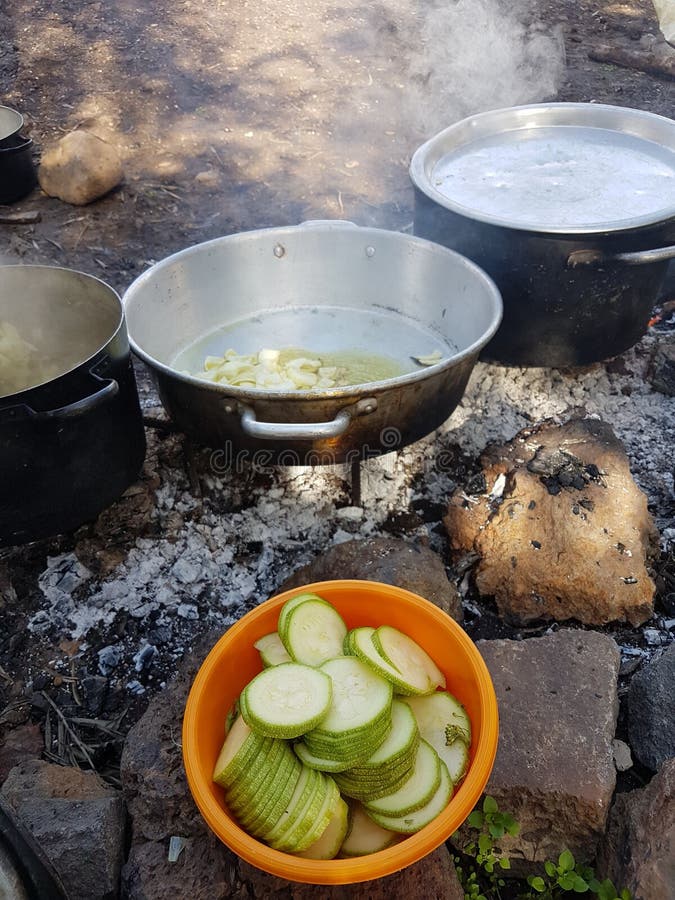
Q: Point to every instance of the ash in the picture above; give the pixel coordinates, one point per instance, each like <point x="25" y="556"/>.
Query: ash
<point x="216" y="543"/>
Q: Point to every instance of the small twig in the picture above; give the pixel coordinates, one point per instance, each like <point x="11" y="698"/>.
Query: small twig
<point x="80" y="236"/>
<point x="340" y="204"/>
<point x="30" y="217"/>
<point x="63" y="723"/>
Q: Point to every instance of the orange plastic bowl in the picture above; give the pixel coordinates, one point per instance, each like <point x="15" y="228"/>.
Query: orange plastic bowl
<point x="232" y="663"/>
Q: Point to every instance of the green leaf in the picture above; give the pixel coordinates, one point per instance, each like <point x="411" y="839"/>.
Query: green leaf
<point x="496" y="831"/>
<point x="580" y="885"/>
<point x="550" y="868"/>
<point x="566" y="881"/>
<point x="594" y="885"/>
<point x="537" y="882"/>
<point x="504" y="862"/>
<point x="625" y="894"/>
<point x="490" y="805"/>
<point x="566" y="861"/>
<point x="475" y="819"/>
<point x="510" y="824"/>
<point x="484" y="843"/>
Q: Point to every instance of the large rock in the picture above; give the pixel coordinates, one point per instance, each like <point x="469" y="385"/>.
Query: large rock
<point x="20" y="744"/>
<point x="651" y="711"/>
<point x="206" y="870"/>
<point x="77" y="821"/>
<point x="562" y="531"/>
<point x="638" y="851"/>
<point x="161" y="806"/>
<point x="554" y="770"/>
<point x="390" y="560"/>
<point x="79" y="168"/>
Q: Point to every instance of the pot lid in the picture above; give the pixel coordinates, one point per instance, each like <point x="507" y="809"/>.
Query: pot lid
<point x="564" y="168"/>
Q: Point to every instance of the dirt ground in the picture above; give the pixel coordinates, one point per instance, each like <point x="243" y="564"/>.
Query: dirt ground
<point x="240" y="115"/>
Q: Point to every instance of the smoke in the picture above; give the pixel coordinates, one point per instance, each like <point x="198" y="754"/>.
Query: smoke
<point x="476" y="55"/>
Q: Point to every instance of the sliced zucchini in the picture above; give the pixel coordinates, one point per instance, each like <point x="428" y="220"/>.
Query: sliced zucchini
<point x="444" y="723"/>
<point x="313" y="632"/>
<point x="289" y="606"/>
<point x="414" y="821"/>
<point x="416" y="791"/>
<point x="407" y="656"/>
<point x="240" y="745"/>
<point x="322" y="763"/>
<point x="362" y="645"/>
<point x="360" y="698"/>
<point x="271" y="649"/>
<point x="286" y="700"/>
<point x="328" y="844"/>
<point x="365" y="836"/>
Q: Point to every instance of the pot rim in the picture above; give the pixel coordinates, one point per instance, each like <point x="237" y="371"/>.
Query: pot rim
<point x="121" y="325"/>
<point x="422" y="159"/>
<point x="4" y="110"/>
<point x="337" y="393"/>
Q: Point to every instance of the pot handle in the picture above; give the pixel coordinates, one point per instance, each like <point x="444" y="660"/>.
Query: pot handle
<point x="110" y="388"/>
<point x="638" y="258"/>
<point x="308" y="431"/>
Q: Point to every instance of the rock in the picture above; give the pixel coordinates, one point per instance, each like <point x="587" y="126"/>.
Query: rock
<point x="390" y="560"/>
<point x="78" y="822"/>
<point x="566" y="532"/>
<point x="663" y="377"/>
<point x="554" y="770"/>
<point x="20" y="744"/>
<point x="651" y="711"/>
<point x="206" y="870"/>
<point x="623" y="761"/>
<point x="638" y="850"/>
<point x="80" y="168"/>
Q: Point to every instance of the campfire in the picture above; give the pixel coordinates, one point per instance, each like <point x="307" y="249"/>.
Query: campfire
<point x="535" y="505"/>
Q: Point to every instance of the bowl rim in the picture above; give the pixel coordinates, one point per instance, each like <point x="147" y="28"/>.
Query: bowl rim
<point x="357" y="869"/>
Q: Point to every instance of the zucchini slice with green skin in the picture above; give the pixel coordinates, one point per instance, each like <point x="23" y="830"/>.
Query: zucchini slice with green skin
<point x="241" y="745"/>
<point x="416" y="791"/>
<point x="304" y="789"/>
<point x="407" y="656"/>
<point x="361" y="697"/>
<point x="365" y="836"/>
<point x="271" y="649"/>
<point x="360" y="642"/>
<point x="313" y="632"/>
<point x="401" y="742"/>
<point x="288" y="607"/>
<point x="414" y="821"/>
<point x="287" y="700"/>
<point x="444" y="723"/>
<point x="322" y="763"/>
<point x="328" y="844"/>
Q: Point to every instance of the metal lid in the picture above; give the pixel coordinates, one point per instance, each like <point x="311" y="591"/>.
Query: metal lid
<point x="562" y="168"/>
<point x="11" y="122"/>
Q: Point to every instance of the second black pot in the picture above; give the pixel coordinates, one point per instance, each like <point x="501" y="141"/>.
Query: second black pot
<point x="71" y="430"/>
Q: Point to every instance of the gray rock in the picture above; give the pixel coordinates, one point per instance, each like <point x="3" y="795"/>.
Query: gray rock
<point x="78" y="822"/>
<point x="569" y="535"/>
<point x="638" y="850"/>
<point x="554" y="770"/>
<point x="390" y="560"/>
<point x="80" y="168"/>
<point x="622" y="756"/>
<point x="663" y="377"/>
<point x="19" y="745"/>
<point x="206" y="870"/>
<point x="651" y="711"/>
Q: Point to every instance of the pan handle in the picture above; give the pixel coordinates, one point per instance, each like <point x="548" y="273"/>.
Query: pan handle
<point x="307" y="431"/>
<point x="109" y="388"/>
<point x="638" y="258"/>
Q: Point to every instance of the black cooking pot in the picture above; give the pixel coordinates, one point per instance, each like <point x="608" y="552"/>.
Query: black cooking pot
<point x="71" y="431"/>
<point x="17" y="172"/>
<point x="570" y="207"/>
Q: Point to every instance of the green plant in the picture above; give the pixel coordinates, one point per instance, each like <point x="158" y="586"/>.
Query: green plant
<point x="568" y="876"/>
<point x="482" y="859"/>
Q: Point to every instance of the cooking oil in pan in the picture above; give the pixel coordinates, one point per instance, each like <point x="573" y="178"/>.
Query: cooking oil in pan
<point x="345" y="341"/>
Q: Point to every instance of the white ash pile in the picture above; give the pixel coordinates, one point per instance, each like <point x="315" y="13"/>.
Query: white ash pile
<point x="216" y="543"/>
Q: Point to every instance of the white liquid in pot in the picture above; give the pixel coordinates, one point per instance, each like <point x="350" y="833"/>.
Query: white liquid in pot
<point x="563" y="176"/>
